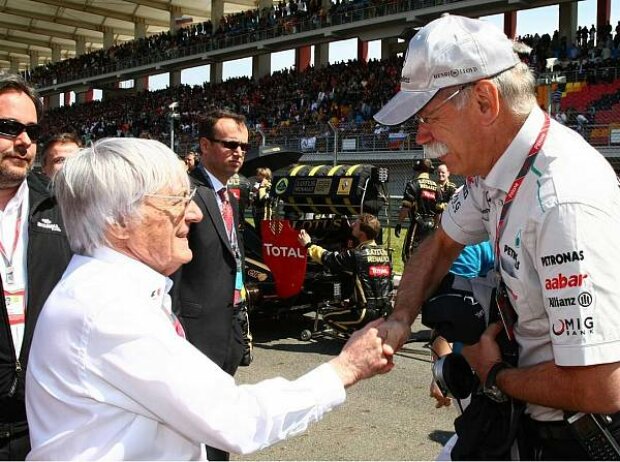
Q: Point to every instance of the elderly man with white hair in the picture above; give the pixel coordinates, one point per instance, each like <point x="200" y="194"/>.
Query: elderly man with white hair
<point x="111" y="375"/>
<point x="550" y="204"/>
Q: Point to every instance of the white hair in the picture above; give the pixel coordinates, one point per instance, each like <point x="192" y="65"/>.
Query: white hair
<point x="516" y="86"/>
<point x="106" y="182"/>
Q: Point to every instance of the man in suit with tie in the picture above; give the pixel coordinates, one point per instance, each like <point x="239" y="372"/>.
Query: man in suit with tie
<point x="209" y="289"/>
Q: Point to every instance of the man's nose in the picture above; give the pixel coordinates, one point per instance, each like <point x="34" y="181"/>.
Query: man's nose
<point x="193" y="214"/>
<point x="423" y="135"/>
<point x="23" y="139"/>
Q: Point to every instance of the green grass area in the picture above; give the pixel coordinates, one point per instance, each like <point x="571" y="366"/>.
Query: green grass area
<point x="396" y="244"/>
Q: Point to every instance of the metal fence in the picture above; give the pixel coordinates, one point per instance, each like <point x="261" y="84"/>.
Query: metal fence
<point x="369" y="137"/>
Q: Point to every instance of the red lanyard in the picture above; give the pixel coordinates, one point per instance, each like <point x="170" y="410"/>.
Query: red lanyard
<point x="516" y="184"/>
<point x="8" y="261"/>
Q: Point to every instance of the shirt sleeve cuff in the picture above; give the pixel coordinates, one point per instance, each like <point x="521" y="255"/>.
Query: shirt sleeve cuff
<point x="455" y="232"/>
<point x="586" y="355"/>
<point x="325" y="379"/>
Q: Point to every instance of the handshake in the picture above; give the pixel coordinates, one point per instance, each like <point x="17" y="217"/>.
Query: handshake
<point x="370" y="351"/>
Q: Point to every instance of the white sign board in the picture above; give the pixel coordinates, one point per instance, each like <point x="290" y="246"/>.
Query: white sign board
<point x="349" y="144"/>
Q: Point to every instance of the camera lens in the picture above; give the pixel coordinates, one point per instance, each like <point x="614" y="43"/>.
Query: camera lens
<point x="454" y="376"/>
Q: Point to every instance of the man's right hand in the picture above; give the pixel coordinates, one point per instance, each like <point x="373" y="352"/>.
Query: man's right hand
<point x="439" y="397"/>
<point x="395" y="333"/>
<point x="363" y="356"/>
<point x="303" y="237"/>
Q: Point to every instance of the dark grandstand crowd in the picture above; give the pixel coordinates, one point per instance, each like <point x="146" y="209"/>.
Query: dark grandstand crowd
<point x="282" y="18"/>
<point x="347" y="93"/>
<point x="591" y="49"/>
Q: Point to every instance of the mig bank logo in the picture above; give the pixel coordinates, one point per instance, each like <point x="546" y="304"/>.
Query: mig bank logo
<point x="573" y="326"/>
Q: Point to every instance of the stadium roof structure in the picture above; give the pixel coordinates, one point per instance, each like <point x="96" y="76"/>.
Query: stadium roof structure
<point x="33" y="27"/>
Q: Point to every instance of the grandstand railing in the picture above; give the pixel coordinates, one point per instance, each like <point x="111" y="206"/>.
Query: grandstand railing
<point x="353" y="139"/>
<point x="586" y="73"/>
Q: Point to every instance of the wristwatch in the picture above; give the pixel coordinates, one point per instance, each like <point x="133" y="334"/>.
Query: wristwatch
<point x="490" y="388"/>
<point x="308" y="245"/>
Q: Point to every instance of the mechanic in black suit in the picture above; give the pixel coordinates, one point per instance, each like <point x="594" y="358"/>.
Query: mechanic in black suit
<point x="208" y="291"/>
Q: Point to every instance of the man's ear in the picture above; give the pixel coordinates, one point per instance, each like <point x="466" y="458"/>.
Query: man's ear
<point x="486" y="98"/>
<point x="204" y="144"/>
<point x="117" y="230"/>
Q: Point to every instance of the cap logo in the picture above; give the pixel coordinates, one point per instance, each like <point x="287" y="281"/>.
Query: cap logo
<point x="405" y="79"/>
<point x="456" y="72"/>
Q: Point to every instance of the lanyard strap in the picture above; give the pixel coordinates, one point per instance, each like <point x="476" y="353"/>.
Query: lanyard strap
<point x="8" y="260"/>
<point x="516" y="184"/>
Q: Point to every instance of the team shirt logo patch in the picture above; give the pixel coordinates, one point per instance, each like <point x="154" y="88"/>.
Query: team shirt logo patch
<point x="562" y="282"/>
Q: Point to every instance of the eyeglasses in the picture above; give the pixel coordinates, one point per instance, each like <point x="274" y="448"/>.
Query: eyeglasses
<point x="233" y="145"/>
<point x="429" y="119"/>
<point x="184" y="199"/>
<point x="13" y="128"/>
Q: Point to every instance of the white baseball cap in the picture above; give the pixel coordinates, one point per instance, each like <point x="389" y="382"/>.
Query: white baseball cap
<point x="452" y="50"/>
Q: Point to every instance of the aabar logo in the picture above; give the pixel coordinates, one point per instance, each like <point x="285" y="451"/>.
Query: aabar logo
<point x="562" y="282"/>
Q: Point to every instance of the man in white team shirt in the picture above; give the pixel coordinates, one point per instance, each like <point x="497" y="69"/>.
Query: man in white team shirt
<point x="556" y="248"/>
<point x="33" y="254"/>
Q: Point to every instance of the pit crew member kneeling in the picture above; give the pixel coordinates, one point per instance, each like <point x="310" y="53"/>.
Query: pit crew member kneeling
<point x="370" y="265"/>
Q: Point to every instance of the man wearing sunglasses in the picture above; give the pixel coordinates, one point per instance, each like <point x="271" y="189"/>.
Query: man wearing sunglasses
<point x="33" y="249"/>
<point x="556" y="245"/>
<point x="209" y="297"/>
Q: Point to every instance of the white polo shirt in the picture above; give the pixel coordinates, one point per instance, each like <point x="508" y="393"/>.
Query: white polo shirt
<point x="558" y="250"/>
<point x="109" y="378"/>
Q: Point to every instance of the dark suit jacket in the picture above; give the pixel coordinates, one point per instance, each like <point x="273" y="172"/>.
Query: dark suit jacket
<point x="204" y="288"/>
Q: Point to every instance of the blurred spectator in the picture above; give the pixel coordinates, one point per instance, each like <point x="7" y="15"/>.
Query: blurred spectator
<point x="190" y="161"/>
<point x="259" y="196"/>
<point x="56" y="150"/>
<point x="582" y="123"/>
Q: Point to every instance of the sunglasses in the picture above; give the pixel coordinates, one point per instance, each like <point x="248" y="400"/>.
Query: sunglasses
<point x="233" y="145"/>
<point x="13" y="128"/>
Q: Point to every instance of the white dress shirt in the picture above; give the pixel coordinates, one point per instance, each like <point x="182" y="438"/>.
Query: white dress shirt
<point x="558" y="248"/>
<point x="14" y="238"/>
<point x="109" y="378"/>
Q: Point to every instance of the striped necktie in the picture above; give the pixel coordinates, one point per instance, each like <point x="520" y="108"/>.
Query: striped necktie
<point x="227" y="212"/>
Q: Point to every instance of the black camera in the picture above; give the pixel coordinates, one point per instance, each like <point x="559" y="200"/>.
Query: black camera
<point x="454" y="376"/>
<point x="457" y="317"/>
